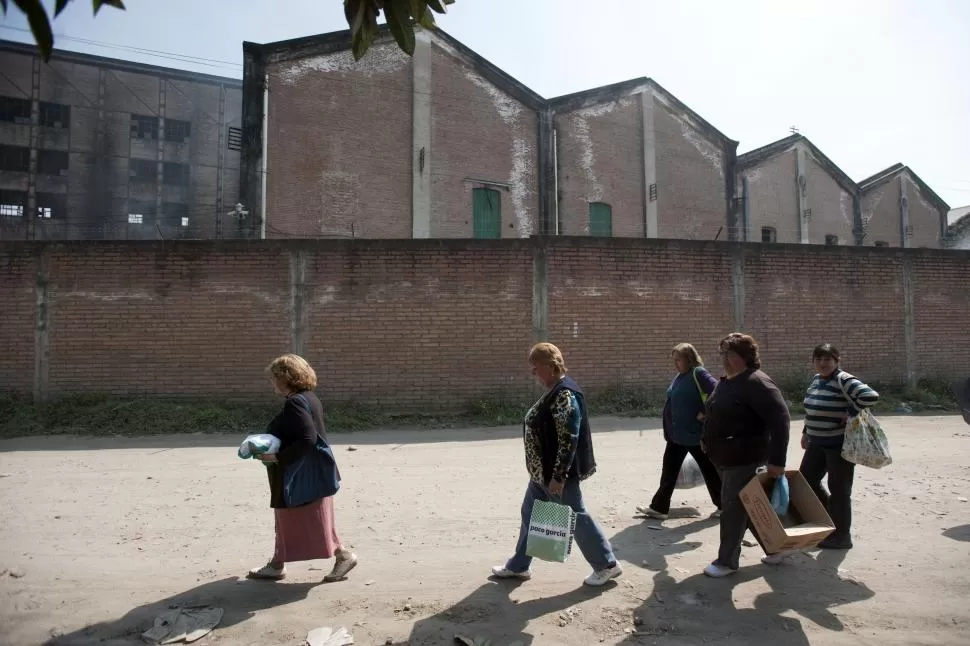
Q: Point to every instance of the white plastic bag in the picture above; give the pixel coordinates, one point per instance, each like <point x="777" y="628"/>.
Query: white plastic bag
<point x="259" y="444"/>
<point x="690" y="475"/>
<point x="865" y="442"/>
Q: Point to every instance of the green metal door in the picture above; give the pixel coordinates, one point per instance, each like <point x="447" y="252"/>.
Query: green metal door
<point x="487" y="212"/>
<point x="600" y="219"/>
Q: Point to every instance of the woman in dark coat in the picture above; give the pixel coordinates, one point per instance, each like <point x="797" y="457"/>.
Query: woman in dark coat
<point x="306" y="532"/>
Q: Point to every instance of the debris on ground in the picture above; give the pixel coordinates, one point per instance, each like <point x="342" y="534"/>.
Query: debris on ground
<point x="183" y="625"/>
<point x="327" y="636"/>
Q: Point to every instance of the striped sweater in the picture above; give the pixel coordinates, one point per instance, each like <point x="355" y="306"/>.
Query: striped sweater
<point x="826" y="405"/>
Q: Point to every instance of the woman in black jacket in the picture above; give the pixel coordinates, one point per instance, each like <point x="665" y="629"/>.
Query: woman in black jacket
<point x="306" y="532"/>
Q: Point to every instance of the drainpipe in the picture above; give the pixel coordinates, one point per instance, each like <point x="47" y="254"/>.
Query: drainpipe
<point x="555" y="176"/>
<point x="745" y="214"/>
<point x="262" y="209"/>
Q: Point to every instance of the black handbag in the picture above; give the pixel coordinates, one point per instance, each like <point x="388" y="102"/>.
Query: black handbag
<point x="312" y="477"/>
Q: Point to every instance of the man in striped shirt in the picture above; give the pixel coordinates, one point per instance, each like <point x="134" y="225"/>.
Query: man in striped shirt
<point x="832" y="398"/>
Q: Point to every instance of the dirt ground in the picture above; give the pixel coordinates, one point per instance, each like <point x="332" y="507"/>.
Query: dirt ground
<point x="99" y="536"/>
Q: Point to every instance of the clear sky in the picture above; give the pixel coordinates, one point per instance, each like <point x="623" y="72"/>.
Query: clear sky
<point x="870" y="82"/>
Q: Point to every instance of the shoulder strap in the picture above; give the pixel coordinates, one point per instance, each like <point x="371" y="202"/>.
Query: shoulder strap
<point x="841" y="378"/>
<point x="697" y="383"/>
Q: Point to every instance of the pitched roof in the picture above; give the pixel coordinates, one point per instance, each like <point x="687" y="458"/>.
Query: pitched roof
<point x="338" y="41"/>
<point x="887" y="175"/>
<point x="759" y="155"/>
<point x="615" y="91"/>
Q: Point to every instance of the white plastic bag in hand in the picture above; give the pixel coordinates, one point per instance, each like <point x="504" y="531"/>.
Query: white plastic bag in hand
<point x="690" y="475"/>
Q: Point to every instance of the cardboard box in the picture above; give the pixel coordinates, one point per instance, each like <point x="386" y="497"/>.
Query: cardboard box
<point x="805" y="524"/>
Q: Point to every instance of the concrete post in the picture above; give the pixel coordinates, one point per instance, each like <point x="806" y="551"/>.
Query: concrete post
<point x="42" y="326"/>
<point x="737" y="287"/>
<point x="540" y="290"/>
<point x="421" y="136"/>
<point x="801" y="191"/>
<point x="651" y="195"/>
<point x="298" y="300"/>
<point x="909" y="322"/>
<point x="904" y="213"/>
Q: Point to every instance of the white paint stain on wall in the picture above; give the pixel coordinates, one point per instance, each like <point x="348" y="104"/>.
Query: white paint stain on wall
<point x="380" y="59"/>
<point x="522" y="153"/>
<point x="268" y="298"/>
<point x="692" y="134"/>
<point x="594" y="292"/>
<point x="845" y="205"/>
<point x="109" y="296"/>
<point x="328" y="294"/>
<point x="587" y="159"/>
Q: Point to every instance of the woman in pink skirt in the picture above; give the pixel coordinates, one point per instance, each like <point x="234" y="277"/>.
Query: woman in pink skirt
<point x="307" y="532"/>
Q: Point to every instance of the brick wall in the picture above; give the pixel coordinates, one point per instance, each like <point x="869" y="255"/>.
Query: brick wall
<point x="340" y="146"/>
<point x="831" y="205"/>
<point x="881" y="207"/>
<point x="600" y="159"/>
<point x="432" y="323"/>
<point x="480" y="132"/>
<point x="691" y="203"/>
<point x="772" y="201"/>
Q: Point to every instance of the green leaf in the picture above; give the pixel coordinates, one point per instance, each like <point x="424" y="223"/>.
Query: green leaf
<point x="355" y="10"/>
<point x="39" y="25"/>
<point x="3" y="5"/>
<point x="117" y="4"/>
<point x="398" y="17"/>
<point x="422" y="15"/>
<point x="60" y="6"/>
<point x="436" y="5"/>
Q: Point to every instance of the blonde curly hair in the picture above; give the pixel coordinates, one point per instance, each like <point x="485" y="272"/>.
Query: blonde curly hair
<point x="293" y="371"/>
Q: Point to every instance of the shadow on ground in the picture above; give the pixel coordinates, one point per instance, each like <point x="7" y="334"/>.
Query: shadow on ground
<point x="489" y="614"/>
<point x="958" y="533"/>
<point x="239" y="598"/>
<point x="699" y="609"/>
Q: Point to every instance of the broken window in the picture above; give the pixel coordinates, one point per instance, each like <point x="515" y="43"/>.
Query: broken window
<point x="12" y="203"/>
<point x="174" y="174"/>
<point x="141" y="211"/>
<point x="51" y="205"/>
<point x="144" y="170"/>
<point x="136" y="218"/>
<point x="52" y="162"/>
<point x="882" y="243"/>
<point x="769" y="234"/>
<point x="55" y="115"/>
<point x="15" y="158"/>
<point x="831" y="240"/>
<point x="143" y="127"/>
<point x="177" y="131"/>
<point x="15" y="110"/>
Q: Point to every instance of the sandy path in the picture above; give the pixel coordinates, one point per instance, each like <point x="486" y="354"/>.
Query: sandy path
<point x="108" y="532"/>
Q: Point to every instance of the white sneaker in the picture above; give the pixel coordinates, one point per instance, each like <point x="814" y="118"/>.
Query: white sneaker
<point x="650" y="512"/>
<point x="778" y="557"/>
<point x="346" y="561"/>
<point x="267" y="572"/>
<point x="718" y="571"/>
<point x="502" y="572"/>
<point x="602" y="577"/>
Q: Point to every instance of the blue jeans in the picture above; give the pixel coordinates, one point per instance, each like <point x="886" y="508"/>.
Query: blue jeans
<point x="592" y="542"/>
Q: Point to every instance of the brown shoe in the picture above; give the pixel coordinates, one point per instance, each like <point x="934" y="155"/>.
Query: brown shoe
<point x="346" y="561"/>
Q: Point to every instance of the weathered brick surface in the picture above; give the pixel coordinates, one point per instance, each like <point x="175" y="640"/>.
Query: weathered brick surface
<point x="941" y="285"/>
<point x="861" y="312"/>
<point x="18" y="272"/>
<point x="600" y="159"/>
<point x="420" y="323"/>
<point x="426" y="323"/>
<point x="772" y="200"/>
<point x="880" y="208"/>
<point x="147" y="318"/>
<point x="479" y="132"/>
<point x="616" y="308"/>
<point x="340" y="146"/>
<point x="923" y="217"/>
<point x="690" y="179"/>
<point x="831" y="206"/>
